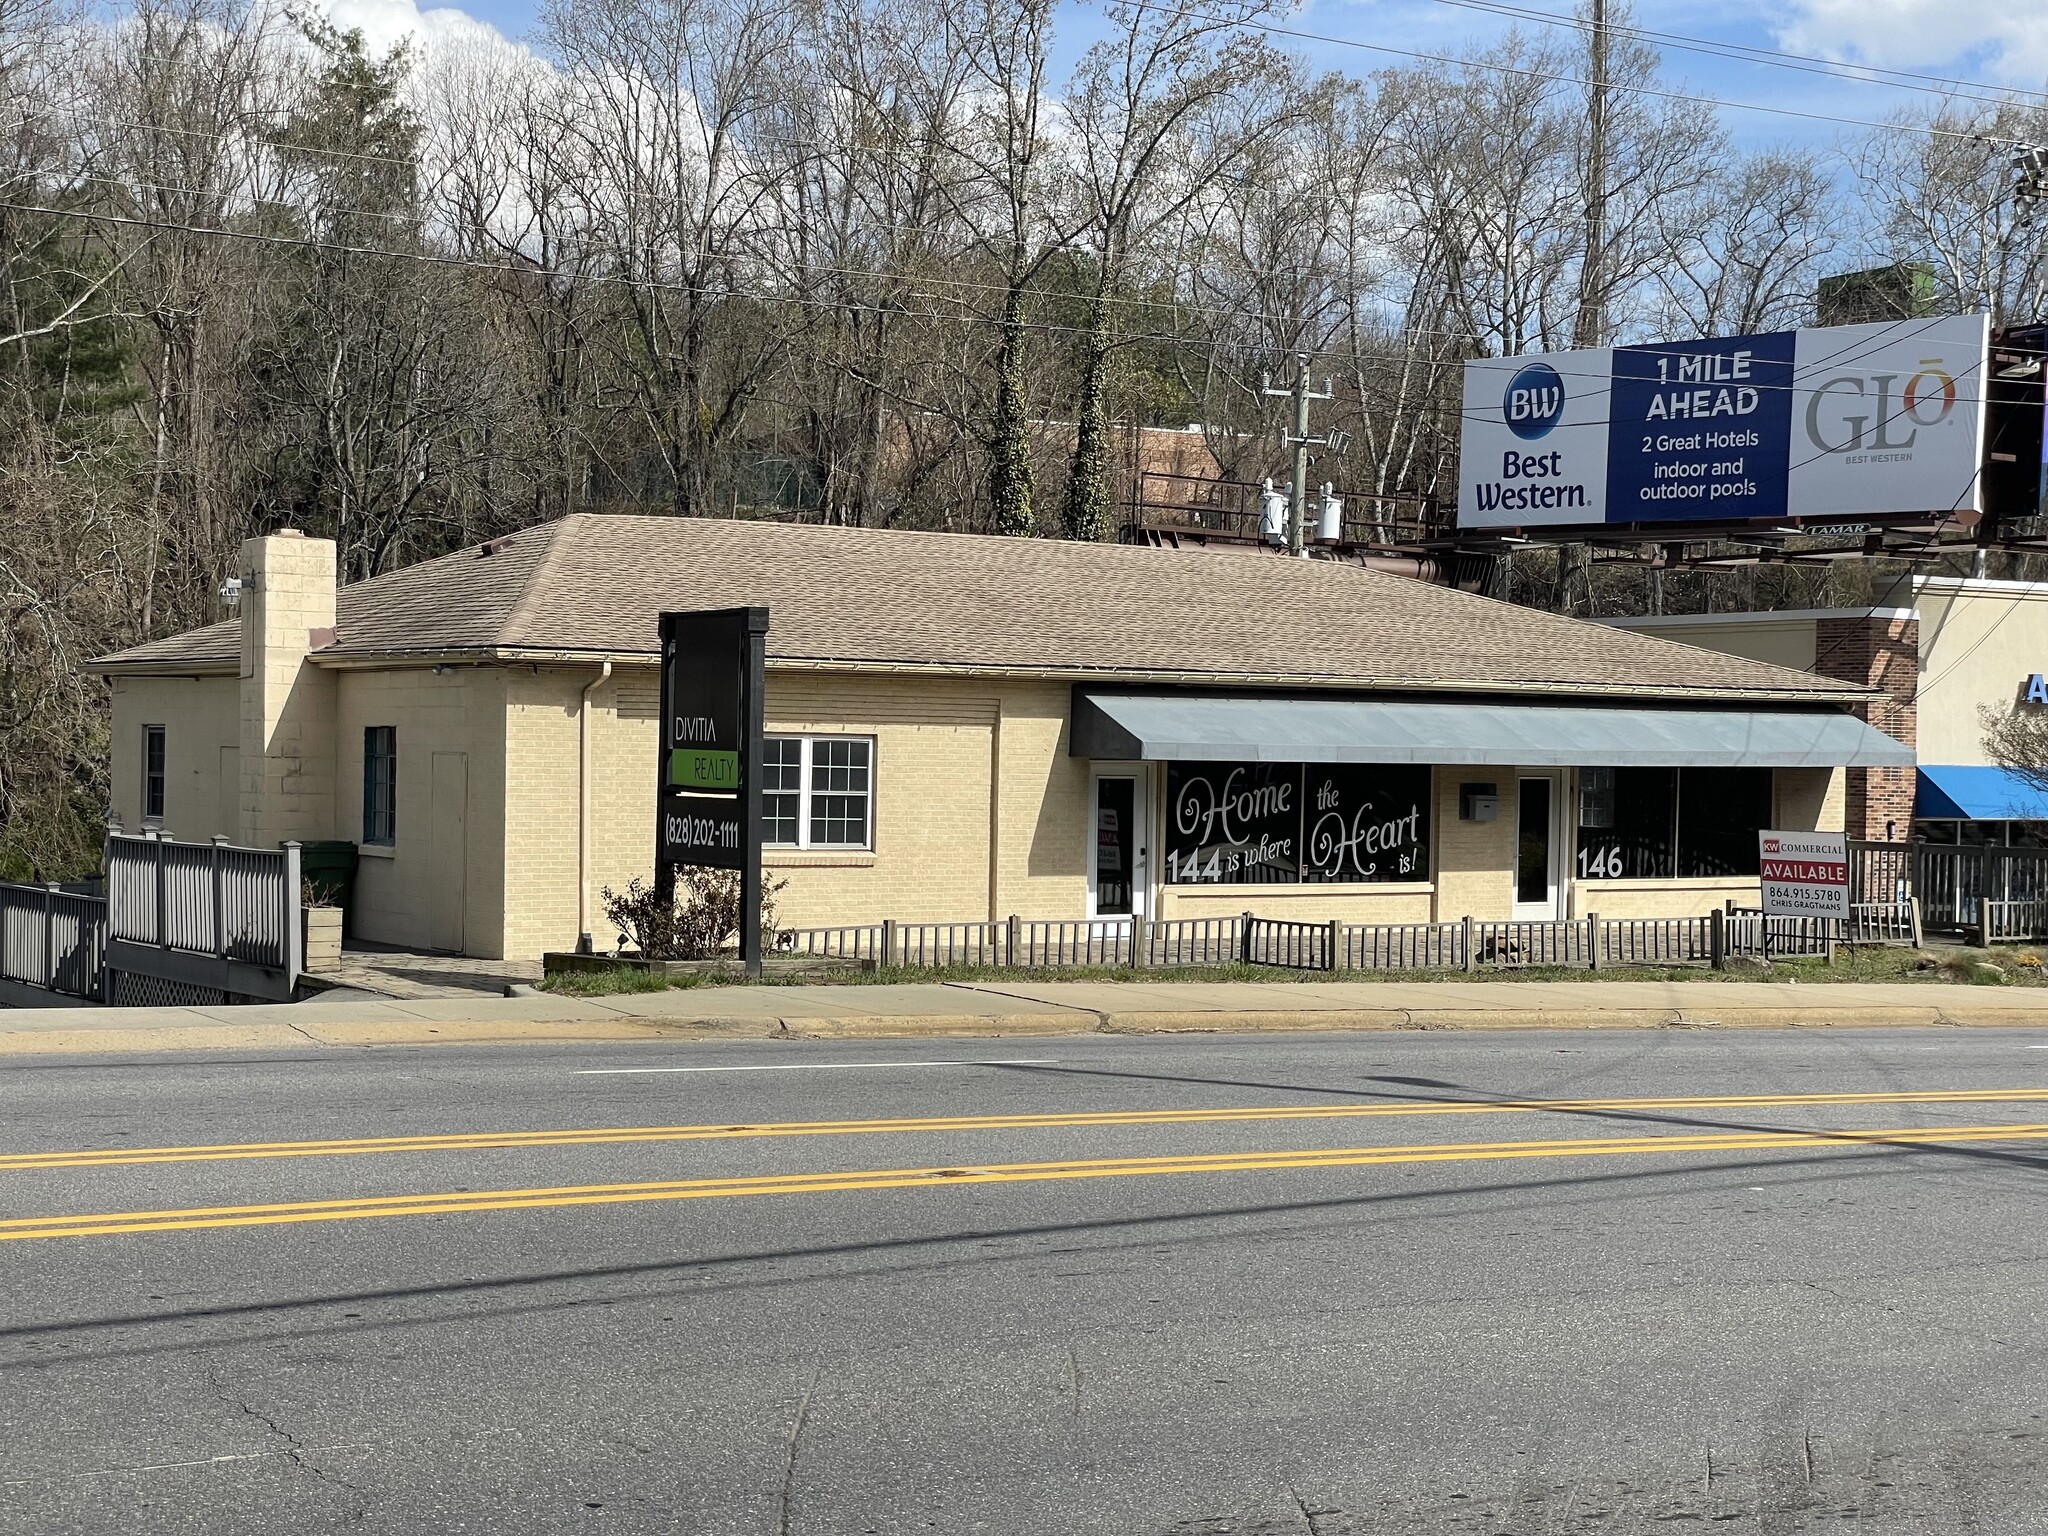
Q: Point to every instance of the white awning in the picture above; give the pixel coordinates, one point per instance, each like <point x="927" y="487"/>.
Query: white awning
<point x="1225" y="728"/>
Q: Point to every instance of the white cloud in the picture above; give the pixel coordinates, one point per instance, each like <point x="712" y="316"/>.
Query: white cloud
<point x="385" y="22"/>
<point x="2002" y="41"/>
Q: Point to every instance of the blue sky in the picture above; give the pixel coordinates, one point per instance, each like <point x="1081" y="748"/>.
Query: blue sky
<point x="1999" y="42"/>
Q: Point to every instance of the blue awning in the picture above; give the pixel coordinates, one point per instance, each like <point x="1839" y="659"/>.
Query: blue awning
<point x="1958" y="792"/>
<point x="1243" y="728"/>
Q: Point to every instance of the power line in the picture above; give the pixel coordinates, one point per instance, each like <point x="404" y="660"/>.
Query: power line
<point x="1688" y="98"/>
<point x="1863" y="74"/>
<point x="610" y="279"/>
<point x="965" y="285"/>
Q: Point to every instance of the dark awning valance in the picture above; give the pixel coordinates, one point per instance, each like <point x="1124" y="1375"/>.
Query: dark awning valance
<point x="1225" y="728"/>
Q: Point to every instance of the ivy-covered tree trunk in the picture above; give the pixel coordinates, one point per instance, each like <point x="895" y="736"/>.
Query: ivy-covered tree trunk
<point x="1009" y="473"/>
<point x="1087" y="512"/>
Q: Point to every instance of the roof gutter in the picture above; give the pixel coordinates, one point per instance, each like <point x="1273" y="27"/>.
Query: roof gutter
<point x="1841" y="693"/>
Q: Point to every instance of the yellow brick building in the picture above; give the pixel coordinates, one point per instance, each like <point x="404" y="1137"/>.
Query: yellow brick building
<point x="967" y="728"/>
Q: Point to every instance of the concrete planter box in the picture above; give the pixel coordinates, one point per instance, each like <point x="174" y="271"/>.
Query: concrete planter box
<point x="771" y="965"/>
<point x="322" y="938"/>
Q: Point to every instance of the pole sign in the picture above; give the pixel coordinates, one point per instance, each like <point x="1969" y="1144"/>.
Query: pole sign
<point x="1850" y="421"/>
<point x="708" y="794"/>
<point x="1805" y="874"/>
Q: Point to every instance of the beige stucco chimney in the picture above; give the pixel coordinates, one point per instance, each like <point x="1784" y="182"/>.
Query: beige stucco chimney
<point x="287" y="750"/>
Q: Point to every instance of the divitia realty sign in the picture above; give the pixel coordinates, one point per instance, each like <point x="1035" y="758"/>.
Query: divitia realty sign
<point x="1805" y="874"/>
<point x="707" y="801"/>
<point x="1851" y="421"/>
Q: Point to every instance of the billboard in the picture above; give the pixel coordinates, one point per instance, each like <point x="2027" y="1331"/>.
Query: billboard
<point x="1842" y="423"/>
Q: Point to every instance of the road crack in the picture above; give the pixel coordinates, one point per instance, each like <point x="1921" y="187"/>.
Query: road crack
<point x="796" y="1434"/>
<point x="295" y="1450"/>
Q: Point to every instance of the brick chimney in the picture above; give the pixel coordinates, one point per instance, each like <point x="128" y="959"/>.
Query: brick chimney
<point x="288" y="726"/>
<point x="1879" y="650"/>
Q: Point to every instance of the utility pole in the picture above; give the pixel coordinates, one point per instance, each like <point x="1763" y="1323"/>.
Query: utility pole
<point x="1297" y="510"/>
<point x="1590" y="327"/>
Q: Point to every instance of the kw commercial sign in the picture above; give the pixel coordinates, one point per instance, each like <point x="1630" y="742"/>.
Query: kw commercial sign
<point x="1805" y="874"/>
<point x="1851" y="421"/>
<point x="708" y="793"/>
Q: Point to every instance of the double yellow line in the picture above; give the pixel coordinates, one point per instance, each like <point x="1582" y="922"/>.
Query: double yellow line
<point x="464" y="1202"/>
<point x="473" y="1141"/>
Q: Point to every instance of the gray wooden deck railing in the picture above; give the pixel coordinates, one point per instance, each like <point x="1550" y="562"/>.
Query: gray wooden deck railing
<point x="51" y="941"/>
<point x="193" y="922"/>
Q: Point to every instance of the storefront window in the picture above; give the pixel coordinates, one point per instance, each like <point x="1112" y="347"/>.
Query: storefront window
<point x="1627" y="823"/>
<point x="1666" y="823"/>
<point x="1720" y="812"/>
<point x="1282" y="823"/>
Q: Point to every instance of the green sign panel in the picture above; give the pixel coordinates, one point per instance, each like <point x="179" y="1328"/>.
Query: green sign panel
<point x="693" y="768"/>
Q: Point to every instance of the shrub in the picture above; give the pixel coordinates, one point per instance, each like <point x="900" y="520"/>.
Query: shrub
<point x="698" y="923"/>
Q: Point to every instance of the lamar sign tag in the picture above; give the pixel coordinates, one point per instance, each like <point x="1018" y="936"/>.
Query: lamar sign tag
<point x="1805" y="874"/>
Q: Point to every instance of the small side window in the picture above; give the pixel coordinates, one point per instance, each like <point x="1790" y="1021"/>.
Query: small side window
<point x="152" y="773"/>
<point x="380" y="784"/>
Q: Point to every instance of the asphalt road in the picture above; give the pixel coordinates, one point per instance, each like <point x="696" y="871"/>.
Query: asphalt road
<point x="1357" y="1307"/>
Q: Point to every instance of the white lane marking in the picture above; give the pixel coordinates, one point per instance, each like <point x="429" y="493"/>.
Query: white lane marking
<point x="2024" y="1047"/>
<point x="820" y="1066"/>
<point x="175" y="1466"/>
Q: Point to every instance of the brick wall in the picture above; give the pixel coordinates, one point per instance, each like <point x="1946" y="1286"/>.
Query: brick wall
<point x="1884" y="653"/>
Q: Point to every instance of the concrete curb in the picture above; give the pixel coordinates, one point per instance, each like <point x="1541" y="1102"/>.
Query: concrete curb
<point x="584" y="1022"/>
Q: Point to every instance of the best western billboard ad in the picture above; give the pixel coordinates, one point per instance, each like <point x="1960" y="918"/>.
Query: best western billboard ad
<point x="1848" y="422"/>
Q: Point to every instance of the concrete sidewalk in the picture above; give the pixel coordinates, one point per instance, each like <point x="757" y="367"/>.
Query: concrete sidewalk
<point x="1003" y="1008"/>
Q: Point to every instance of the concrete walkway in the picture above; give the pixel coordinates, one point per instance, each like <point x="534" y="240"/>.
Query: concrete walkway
<point x="1002" y="1008"/>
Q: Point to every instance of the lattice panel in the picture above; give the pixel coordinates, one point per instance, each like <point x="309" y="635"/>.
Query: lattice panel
<point x="132" y="991"/>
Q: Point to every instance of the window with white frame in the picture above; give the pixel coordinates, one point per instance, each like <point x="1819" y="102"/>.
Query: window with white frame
<point x="818" y="791"/>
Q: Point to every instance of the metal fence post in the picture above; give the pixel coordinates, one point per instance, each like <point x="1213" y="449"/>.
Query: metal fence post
<point x="1011" y="928"/>
<point x="1592" y="941"/>
<point x="294" y="933"/>
<point x="1244" y="940"/>
<point x="50" y="934"/>
<point x="1717" y="939"/>
<point x="1467" y="957"/>
<point x="888" y="942"/>
<point x="1330" y="945"/>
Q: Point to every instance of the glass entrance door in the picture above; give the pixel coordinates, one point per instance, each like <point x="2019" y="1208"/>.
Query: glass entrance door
<point x="1537" y="887"/>
<point x="1116" y="847"/>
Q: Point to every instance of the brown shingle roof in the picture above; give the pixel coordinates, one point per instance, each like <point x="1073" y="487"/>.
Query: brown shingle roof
<point x="595" y="584"/>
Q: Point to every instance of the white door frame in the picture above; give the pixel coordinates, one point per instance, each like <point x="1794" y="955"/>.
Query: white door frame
<point x="1552" y="905"/>
<point x="1140" y="839"/>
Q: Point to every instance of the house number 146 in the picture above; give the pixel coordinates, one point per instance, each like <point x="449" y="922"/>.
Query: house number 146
<point x="1600" y="863"/>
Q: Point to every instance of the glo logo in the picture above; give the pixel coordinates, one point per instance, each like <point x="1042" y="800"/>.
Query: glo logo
<point x="1534" y="401"/>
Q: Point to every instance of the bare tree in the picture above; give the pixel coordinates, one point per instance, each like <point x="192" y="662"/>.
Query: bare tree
<point x="1156" y="112"/>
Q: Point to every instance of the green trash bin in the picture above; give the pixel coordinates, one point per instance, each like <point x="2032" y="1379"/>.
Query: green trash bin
<point x="329" y="868"/>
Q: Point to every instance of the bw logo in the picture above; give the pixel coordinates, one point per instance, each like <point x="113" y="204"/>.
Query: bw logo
<point x="1534" y="401"/>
